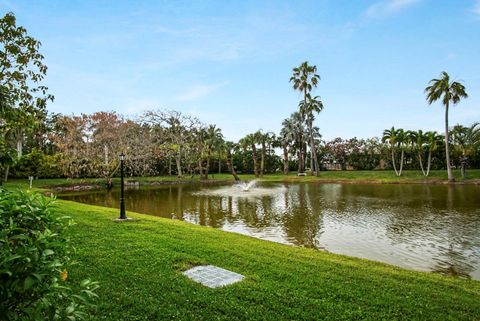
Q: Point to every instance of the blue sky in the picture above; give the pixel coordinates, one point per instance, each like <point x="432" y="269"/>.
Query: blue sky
<point x="229" y="62"/>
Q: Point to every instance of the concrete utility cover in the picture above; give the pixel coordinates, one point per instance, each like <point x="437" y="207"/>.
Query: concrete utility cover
<point x="212" y="276"/>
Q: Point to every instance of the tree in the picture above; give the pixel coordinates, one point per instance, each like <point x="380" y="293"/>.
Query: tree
<point x="7" y="159"/>
<point x="213" y="139"/>
<point x="286" y="139"/>
<point x="21" y="72"/>
<point x="307" y="109"/>
<point x="418" y="141"/>
<point x="179" y="129"/>
<point x="449" y="92"/>
<point x="433" y="140"/>
<point x="250" y="141"/>
<point x="228" y="147"/>
<point x="466" y="140"/>
<point x="390" y="136"/>
<point x="263" y="139"/>
<point x="304" y="79"/>
<point x="293" y="128"/>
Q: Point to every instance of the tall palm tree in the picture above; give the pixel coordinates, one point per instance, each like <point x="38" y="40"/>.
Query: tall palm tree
<point x="312" y="105"/>
<point x="448" y="92"/>
<point x="304" y="79"/>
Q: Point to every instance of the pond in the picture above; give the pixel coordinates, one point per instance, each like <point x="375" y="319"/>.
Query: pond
<point x="421" y="227"/>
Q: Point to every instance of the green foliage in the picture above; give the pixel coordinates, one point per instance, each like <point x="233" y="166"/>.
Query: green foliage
<point x="37" y="164"/>
<point x="50" y="166"/>
<point x="28" y="164"/>
<point x="21" y="65"/>
<point x="7" y="154"/>
<point x="34" y="254"/>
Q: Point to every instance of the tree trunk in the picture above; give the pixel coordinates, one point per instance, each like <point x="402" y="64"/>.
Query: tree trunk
<point x="299" y="159"/>
<point x="304" y="157"/>
<point x="254" y="156"/>
<point x="313" y="151"/>
<point x="262" y="160"/>
<point x="429" y="162"/>
<point x="20" y="143"/>
<point x="464" y="165"/>
<point x="169" y="165"/>
<point x="219" y="164"/>
<point x="7" y="170"/>
<point x="401" y="163"/>
<point x="447" y="149"/>
<point x="421" y="163"/>
<point x="230" y="165"/>
<point x="285" y="160"/>
<point x="393" y="161"/>
<point x="179" y="164"/>
<point x="200" y="168"/>
<point x="207" y="168"/>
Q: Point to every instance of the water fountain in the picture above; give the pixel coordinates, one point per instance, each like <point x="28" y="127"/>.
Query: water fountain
<point x="244" y="189"/>
<point x="246" y="186"/>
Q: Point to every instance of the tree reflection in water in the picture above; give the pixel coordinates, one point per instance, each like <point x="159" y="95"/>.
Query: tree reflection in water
<point x="424" y="227"/>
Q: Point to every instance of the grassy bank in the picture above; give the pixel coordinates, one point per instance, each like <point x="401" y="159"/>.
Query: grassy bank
<point x="139" y="264"/>
<point x="375" y="177"/>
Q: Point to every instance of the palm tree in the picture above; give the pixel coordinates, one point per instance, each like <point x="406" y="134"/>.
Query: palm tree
<point x="293" y="127"/>
<point x="448" y="92"/>
<point x="271" y="141"/>
<point x="263" y="139"/>
<point x="466" y="139"/>
<point x="213" y="137"/>
<point x="228" y="148"/>
<point x="402" y="140"/>
<point x="250" y="141"/>
<point x="390" y="135"/>
<point x="304" y="79"/>
<point x="433" y="140"/>
<point x="312" y="105"/>
<point x="286" y="139"/>
<point x="418" y="141"/>
<point x="397" y="138"/>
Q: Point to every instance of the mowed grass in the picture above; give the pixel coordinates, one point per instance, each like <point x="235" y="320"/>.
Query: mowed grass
<point x="139" y="265"/>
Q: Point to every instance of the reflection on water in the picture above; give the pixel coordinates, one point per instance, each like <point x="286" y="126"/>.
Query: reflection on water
<point x="422" y="227"/>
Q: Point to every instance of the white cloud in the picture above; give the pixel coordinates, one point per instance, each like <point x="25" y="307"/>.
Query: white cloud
<point x="388" y="7"/>
<point x="198" y="92"/>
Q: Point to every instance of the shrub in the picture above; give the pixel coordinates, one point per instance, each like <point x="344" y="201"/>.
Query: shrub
<point x="51" y="166"/>
<point x="38" y="164"/>
<point x="34" y="256"/>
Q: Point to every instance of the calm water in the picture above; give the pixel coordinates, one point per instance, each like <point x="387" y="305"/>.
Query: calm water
<point x="421" y="227"/>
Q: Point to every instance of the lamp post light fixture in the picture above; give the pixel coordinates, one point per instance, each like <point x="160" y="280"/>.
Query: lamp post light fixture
<point x="123" y="216"/>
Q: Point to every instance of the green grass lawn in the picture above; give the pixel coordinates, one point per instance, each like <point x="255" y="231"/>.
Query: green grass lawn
<point x="411" y="176"/>
<point x="139" y="264"/>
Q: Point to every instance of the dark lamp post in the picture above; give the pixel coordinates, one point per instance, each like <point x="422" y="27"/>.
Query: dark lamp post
<point x="123" y="216"/>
